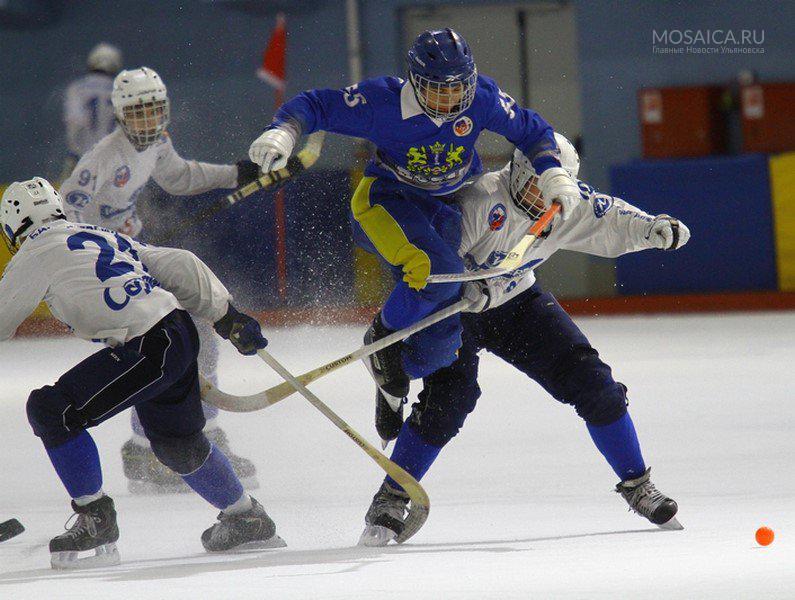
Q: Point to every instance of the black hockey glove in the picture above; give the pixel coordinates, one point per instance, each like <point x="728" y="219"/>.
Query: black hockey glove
<point x="243" y="331"/>
<point x="247" y="172"/>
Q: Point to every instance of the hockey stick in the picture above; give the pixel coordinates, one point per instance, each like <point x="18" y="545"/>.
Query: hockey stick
<point x="228" y="402"/>
<point x="420" y="503"/>
<point x="512" y="260"/>
<point x="295" y="166"/>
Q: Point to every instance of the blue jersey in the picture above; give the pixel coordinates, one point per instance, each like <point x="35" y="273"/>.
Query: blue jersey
<point x="433" y="155"/>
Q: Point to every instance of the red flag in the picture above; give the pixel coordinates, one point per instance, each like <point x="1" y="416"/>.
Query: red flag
<point x="272" y="69"/>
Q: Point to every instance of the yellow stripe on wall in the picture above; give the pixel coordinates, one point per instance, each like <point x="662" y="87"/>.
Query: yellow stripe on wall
<point x="782" y="186"/>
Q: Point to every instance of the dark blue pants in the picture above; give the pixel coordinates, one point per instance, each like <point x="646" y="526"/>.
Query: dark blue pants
<point x="156" y="372"/>
<point x="534" y="334"/>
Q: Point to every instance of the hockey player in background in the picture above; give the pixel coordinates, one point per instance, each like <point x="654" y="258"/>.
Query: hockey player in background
<point x="424" y="130"/>
<point x="107" y="287"/>
<point x="525" y="326"/>
<point x="87" y="110"/>
<point x="103" y="190"/>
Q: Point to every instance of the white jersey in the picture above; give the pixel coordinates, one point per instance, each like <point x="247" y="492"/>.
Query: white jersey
<point x="105" y="184"/>
<point x="88" y="112"/>
<point x="104" y="285"/>
<point x="493" y="225"/>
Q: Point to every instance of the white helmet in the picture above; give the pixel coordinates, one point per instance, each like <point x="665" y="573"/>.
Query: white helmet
<point x="528" y="197"/>
<point x="140" y="102"/>
<point x="105" y="58"/>
<point x="26" y="206"/>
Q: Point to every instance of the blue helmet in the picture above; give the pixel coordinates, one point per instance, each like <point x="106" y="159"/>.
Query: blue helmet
<point x="442" y="73"/>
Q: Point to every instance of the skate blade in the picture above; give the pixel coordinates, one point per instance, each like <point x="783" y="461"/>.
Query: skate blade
<point x="106" y="555"/>
<point x="269" y="544"/>
<point x="672" y="525"/>
<point x="375" y="536"/>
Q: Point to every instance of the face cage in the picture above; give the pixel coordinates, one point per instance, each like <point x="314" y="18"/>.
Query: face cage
<point x="528" y="199"/>
<point x="145" y="122"/>
<point x="450" y="98"/>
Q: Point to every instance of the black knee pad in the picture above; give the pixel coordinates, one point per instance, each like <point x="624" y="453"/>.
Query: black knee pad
<point x="587" y="383"/>
<point x="52" y="416"/>
<point x="184" y="455"/>
<point x="439" y="415"/>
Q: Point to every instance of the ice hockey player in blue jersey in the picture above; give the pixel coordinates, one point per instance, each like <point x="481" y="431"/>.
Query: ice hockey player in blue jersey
<point x="424" y="130"/>
<point x="523" y="325"/>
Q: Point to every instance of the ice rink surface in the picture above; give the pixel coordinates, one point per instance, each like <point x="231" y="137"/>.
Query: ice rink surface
<point x="522" y="503"/>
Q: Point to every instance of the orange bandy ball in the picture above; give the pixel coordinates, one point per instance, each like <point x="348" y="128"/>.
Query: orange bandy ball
<point x="764" y="536"/>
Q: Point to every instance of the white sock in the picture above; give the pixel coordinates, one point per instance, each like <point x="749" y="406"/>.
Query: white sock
<point x="83" y="500"/>
<point x="242" y="505"/>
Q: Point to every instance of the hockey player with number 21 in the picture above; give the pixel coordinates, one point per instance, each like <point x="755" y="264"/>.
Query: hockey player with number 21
<point x="107" y="287"/>
<point x="103" y="190"/>
<point x="525" y="326"/>
<point x="424" y="130"/>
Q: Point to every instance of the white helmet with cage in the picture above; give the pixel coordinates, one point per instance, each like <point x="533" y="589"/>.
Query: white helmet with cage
<point x="140" y="102"/>
<point x="105" y="58"/>
<point x="26" y="206"/>
<point x="524" y="180"/>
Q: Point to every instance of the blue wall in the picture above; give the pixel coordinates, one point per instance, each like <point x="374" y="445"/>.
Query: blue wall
<point x="615" y="49"/>
<point x="725" y="201"/>
<point x="207" y="53"/>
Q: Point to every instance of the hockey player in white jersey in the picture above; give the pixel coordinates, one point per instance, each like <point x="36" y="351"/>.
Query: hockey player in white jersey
<point x="87" y="110"/>
<point x="525" y="326"/>
<point x="103" y="190"/>
<point x="107" y="287"/>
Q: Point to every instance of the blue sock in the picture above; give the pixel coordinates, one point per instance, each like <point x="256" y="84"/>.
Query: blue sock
<point x="412" y="453"/>
<point x="619" y="444"/>
<point x="77" y="464"/>
<point x="215" y="481"/>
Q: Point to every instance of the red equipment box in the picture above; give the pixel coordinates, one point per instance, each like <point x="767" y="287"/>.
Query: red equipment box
<point x="682" y="121"/>
<point x="768" y="117"/>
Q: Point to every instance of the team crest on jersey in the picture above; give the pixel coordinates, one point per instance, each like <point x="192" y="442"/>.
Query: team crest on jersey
<point x="435" y="159"/>
<point x="497" y="217"/>
<point x="78" y="199"/>
<point x="602" y="205"/>
<point x="462" y="126"/>
<point x="121" y="176"/>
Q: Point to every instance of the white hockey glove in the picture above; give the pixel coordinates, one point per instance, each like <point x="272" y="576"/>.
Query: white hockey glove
<point x="667" y="233"/>
<point x="272" y="149"/>
<point x="478" y="293"/>
<point x="557" y="185"/>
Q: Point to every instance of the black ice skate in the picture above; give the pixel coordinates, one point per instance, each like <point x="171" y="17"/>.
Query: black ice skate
<point x="647" y="501"/>
<point x="249" y="530"/>
<point x="386" y="365"/>
<point x="388" y="419"/>
<point x="386" y="516"/>
<point x="148" y="476"/>
<point x="95" y="529"/>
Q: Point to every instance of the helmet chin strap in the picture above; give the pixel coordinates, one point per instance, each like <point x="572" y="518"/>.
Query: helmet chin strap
<point x="26" y="224"/>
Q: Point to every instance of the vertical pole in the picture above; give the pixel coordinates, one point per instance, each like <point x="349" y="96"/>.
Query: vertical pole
<point x="279" y="212"/>
<point x="524" y="59"/>
<point x="281" y="227"/>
